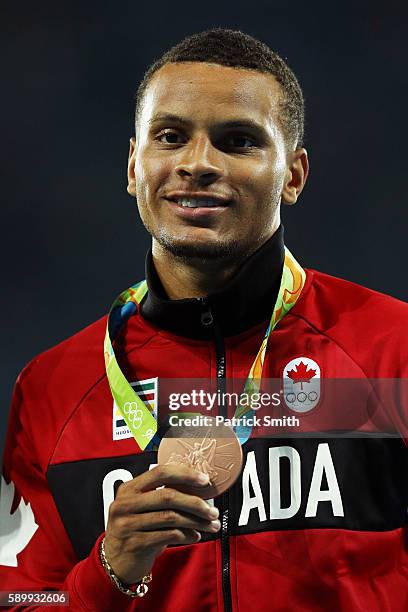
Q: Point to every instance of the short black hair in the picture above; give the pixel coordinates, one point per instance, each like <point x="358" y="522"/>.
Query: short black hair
<point x="238" y="50"/>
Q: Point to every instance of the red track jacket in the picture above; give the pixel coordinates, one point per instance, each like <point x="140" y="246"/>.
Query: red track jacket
<point x="314" y="523"/>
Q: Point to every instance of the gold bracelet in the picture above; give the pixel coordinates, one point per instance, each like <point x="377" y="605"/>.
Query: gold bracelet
<point x="141" y="585"/>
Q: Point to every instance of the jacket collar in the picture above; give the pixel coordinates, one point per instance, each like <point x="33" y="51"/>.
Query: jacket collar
<point x="246" y="300"/>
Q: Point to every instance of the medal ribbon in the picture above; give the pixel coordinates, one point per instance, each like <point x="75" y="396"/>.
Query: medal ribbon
<point x="138" y="417"/>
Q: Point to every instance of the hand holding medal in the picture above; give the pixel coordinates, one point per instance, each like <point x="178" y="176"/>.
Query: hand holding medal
<point x="150" y="513"/>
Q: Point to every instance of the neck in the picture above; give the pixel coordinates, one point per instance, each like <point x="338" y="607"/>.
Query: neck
<point x="241" y="296"/>
<point x="193" y="278"/>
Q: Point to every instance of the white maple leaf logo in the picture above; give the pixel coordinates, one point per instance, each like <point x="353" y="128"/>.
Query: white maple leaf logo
<point x="17" y="529"/>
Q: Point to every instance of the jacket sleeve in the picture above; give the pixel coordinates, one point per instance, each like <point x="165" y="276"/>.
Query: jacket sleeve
<point x="35" y="551"/>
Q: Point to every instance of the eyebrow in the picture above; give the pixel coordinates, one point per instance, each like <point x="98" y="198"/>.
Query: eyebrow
<point x="231" y="123"/>
<point x="168" y="117"/>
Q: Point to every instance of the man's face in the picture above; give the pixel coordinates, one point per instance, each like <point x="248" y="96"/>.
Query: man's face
<point x="210" y="163"/>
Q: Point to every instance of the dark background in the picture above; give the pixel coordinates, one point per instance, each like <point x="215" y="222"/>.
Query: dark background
<point x="71" y="236"/>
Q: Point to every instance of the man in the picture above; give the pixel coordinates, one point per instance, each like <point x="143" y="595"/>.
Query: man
<point x="312" y="523"/>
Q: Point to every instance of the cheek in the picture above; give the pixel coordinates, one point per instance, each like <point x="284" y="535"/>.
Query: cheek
<point x="264" y="182"/>
<point x="272" y="178"/>
<point x="258" y="174"/>
<point x="150" y="173"/>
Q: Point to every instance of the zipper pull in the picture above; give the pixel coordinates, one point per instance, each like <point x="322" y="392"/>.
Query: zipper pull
<point x="206" y="314"/>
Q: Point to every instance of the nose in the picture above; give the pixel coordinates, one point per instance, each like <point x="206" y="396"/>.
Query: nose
<point x="199" y="161"/>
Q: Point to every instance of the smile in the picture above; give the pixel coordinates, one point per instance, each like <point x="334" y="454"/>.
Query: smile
<point x="197" y="202"/>
<point x="199" y="199"/>
<point x="197" y="210"/>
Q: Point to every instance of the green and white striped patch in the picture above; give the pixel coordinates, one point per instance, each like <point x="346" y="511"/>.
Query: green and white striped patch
<point x="147" y="390"/>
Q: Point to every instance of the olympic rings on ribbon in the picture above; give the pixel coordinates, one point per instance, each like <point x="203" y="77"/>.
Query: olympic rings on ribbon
<point x="134" y="414"/>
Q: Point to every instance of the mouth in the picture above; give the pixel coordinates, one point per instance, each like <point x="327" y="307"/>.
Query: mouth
<point x="198" y="211"/>
<point x="198" y="203"/>
<point x="199" y="200"/>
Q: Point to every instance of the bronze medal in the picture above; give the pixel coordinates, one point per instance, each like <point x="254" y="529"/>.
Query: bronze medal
<point x="211" y="448"/>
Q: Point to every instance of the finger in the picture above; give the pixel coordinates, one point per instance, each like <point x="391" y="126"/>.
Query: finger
<point x="170" y="475"/>
<point x="166" y="499"/>
<point x="173" y="537"/>
<point x="169" y="519"/>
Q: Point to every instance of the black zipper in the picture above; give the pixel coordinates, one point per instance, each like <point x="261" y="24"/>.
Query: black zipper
<point x="207" y="319"/>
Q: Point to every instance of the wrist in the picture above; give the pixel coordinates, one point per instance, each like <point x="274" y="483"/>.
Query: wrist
<point x="138" y="589"/>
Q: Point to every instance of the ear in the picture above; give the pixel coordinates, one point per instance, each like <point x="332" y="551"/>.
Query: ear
<point x="131" y="188"/>
<point x="297" y="171"/>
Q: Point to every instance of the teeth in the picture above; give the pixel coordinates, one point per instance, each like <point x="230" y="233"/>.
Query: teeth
<point x="195" y="203"/>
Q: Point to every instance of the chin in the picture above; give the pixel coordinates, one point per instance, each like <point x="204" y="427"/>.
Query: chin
<point x="209" y="250"/>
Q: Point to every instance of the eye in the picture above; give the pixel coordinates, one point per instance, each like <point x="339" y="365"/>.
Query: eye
<point x="239" y="141"/>
<point x="169" y="137"/>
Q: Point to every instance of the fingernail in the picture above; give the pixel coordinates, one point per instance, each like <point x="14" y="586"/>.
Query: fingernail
<point x="215" y="525"/>
<point x="214" y="512"/>
<point x="203" y="478"/>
